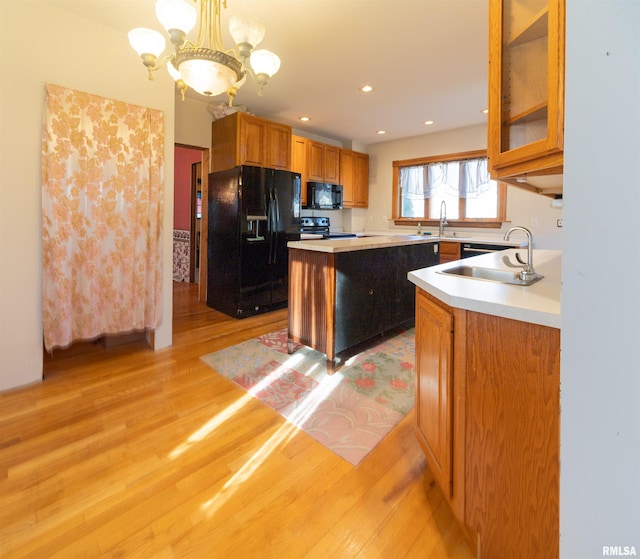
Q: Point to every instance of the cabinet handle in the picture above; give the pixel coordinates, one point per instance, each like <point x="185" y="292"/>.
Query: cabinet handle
<point x="370" y="291"/>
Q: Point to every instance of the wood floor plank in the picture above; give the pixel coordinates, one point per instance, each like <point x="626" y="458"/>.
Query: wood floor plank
<point x="130" y="453"/>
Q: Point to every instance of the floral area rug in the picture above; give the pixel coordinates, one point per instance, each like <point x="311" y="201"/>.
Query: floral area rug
<point x="350" y="411"/>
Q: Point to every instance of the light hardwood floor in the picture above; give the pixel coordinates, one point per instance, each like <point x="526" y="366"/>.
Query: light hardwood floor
<point x="132" y="453"/>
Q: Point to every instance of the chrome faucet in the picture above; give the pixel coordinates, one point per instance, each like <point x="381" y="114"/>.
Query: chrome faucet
<point x="443" y="218"/>
<point x="528" y="271"/>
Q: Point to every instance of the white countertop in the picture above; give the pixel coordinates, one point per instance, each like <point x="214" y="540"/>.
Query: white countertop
<point x="365" y="241"/>
<point x="362" y="242"/>
<point x="538" y="303"/>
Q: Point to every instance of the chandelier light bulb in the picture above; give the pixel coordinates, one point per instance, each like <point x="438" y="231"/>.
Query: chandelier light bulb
<point x="247" y="32"/>
<point x="264" y="62"/>
<point x="146" y="41"/>
<point x="207" y="77"/>
<point x="176" y="14"/>
<point x="173" y="72"/>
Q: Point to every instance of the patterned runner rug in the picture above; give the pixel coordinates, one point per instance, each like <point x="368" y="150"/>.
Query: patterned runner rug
<point x="350" y="411"/>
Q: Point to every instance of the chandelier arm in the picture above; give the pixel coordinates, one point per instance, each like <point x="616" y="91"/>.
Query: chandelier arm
<point x="162" y="62"/>
<point x="151" y="64"/>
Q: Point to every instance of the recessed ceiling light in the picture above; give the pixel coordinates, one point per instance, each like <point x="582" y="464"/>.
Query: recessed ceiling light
<point x="381" y="132"/>
<point x="428" y="122"/>
<point x="304" y="119"/>
<point x="366" y="88"/>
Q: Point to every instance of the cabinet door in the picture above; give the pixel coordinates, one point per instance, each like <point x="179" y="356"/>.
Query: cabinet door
<point x="361" y="180"/>
<point x="278" y="147"/>
<point x="315" y="161"/>
<point x="253" y="139"/>
<point x="434" y="366"/>
<point x="526" y="86"/>
<point x="299" y="163"/>
<point x="332" y="164"/>
<point x="365" y="295"/>
<point x="449" y="252"/>
<point x="411" y="257"/>
<point x="347" y="177"/>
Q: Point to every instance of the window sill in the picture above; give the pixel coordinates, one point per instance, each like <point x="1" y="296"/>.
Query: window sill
<point x="480" y="223"/>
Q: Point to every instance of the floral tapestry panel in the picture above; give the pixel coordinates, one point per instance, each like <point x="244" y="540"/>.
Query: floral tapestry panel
<point x="102" y="183"/>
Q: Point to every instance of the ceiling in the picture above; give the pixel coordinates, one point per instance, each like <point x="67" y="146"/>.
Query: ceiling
<point x="427" y="60"/>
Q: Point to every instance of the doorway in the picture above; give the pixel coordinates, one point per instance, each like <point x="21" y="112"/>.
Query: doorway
<point x="190" y="215"/>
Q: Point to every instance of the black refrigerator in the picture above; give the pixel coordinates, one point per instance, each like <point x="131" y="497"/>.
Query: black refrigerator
<point x="253" y="213"/>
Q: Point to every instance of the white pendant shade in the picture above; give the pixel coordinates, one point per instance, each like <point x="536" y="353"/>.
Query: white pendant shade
<point x="246" y="29"/>
<point x="264" y="62"/>
<point x="176" y="14"/>
<point x="146" y="41"/>
<point x="207" y="77"/>
<point x="173" y="72"/>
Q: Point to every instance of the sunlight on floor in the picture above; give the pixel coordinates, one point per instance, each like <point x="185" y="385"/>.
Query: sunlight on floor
<point x="304" y="408"/>
<point x="211" y="425"/>
<point x="280" y="437"/>
<point x="290" y="363"/>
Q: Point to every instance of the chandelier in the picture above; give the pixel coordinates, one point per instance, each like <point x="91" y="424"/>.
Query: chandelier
<point x="205" y="66"/>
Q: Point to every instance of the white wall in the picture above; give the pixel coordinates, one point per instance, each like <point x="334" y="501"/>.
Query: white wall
<point x="600" y="364"/>
<point x="38" y="44"/>
<point x="522" y="206"/>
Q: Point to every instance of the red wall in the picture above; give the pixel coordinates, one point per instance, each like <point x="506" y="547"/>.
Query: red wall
<point x="184" y="157"/>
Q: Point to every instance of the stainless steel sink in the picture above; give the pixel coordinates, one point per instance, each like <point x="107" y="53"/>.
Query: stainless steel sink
<point x="490" y="274"/>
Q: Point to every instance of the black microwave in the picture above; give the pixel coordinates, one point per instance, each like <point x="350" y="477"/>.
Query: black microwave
<point x="323" y="196"/>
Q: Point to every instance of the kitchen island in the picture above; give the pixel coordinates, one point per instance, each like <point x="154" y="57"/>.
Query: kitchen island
<point x="488" y="401"/>
<point x="344" y="292"/>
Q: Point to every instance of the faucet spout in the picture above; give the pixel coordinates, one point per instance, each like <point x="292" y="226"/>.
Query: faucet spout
<point x="443" y="218"/>
<point x="528" y="270"/>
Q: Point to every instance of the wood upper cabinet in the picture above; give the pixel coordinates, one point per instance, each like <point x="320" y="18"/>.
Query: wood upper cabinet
<point x="323" y="162"/>
<point x="243" y="139"/>
<point x="354" y="178"/>
<point x="434" y="375"/>
<point x="526" y="90"/>
<point x="299" y="162"/>
<point x="488" y="419"/>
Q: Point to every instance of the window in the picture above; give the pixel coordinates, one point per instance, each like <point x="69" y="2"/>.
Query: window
<point x="459" y="180"/>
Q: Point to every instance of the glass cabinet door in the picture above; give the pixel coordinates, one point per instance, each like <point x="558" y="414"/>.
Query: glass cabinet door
<point x="526" y="77"/>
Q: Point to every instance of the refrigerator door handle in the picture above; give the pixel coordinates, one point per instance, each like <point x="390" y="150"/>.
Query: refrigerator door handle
<point x="271" y="226"/>
<point x="276" y="224"/>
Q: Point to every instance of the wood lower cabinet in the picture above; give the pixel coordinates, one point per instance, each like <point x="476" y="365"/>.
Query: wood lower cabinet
<point x="338" y="300"/>
<point x="243" y="139"/>
<point x="449" y="251"/>
<point x="434" y="390"/>
<point x="488" y="419"/>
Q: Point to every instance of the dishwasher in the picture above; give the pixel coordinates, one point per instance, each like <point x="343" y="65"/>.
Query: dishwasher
<point x="467" y="250"/>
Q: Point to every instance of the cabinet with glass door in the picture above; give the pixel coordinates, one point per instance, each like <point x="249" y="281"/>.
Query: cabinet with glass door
<point x="526" y="88"/>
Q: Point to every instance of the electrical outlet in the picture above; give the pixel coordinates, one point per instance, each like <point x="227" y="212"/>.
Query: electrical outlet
<point x="370" y="219"/>
<point x="559" y="223"/>
<point x="535" y="223"/>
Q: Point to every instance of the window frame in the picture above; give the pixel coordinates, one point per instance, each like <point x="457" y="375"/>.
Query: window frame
<point x="494" y="223"/>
